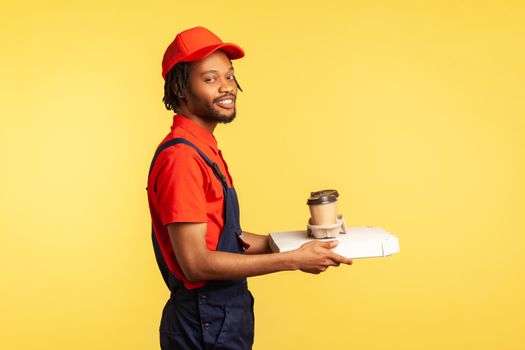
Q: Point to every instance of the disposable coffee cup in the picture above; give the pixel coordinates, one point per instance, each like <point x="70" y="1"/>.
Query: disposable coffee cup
<point x="323" y="207"/>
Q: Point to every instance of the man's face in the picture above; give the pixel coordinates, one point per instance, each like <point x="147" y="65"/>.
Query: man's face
<point x="212" y="89"/>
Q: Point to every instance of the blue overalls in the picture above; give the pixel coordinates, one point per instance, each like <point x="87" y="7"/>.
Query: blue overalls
<point x="220" y="314"/>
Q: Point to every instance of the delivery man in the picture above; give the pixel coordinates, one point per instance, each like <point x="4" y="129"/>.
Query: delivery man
<point x="203" y="254"/>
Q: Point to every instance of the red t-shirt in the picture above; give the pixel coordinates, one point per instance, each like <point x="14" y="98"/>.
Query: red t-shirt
<point x="183" y="188"/>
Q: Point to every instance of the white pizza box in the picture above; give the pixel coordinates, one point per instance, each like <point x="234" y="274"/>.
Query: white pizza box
<point x="356" y="242"/>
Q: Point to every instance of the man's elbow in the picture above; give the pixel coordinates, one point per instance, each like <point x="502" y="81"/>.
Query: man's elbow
<point x="195" y="272"/>
<point x="193" y="276"/>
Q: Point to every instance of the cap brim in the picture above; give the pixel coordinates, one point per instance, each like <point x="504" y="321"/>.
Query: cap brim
<point x="231" y="50"/>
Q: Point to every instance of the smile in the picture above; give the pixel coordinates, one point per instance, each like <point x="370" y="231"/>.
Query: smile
<point x="226" y="103"/>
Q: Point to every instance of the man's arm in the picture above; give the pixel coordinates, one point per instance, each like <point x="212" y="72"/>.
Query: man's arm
<point x="200" y="264"/>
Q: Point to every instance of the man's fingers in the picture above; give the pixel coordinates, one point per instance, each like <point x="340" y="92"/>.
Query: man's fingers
<point x="339" y="258"/>
<point x="334" y="256"/>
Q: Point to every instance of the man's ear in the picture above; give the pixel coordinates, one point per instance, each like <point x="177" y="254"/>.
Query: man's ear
<point x="176" y="91"/>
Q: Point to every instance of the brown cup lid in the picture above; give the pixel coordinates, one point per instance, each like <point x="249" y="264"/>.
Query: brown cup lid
<point x="322" y="197"/>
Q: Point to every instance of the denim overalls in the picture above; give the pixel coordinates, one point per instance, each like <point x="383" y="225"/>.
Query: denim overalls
<point x="220" y="314"/>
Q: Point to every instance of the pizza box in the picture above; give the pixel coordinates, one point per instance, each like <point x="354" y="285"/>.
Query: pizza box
<point x="356" y="242"/>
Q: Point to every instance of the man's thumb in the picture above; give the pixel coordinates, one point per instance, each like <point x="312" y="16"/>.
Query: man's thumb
<point x="330" y="244"/>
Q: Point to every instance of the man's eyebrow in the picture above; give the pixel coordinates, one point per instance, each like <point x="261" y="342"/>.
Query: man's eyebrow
<point x="215" y="71"/>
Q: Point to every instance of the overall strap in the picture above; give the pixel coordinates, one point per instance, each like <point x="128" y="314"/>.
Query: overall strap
<point x="168" y="277"/>
<point x="208" y="161"/>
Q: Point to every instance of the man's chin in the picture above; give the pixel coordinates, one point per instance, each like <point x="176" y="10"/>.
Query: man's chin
<point x="220" y="117"/>
<point x="227" y="119"/>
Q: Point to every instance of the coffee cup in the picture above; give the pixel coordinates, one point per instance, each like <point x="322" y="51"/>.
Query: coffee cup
<point x="323" y="207"/>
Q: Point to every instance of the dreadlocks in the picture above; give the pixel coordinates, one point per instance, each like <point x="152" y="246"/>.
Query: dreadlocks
<point x="176" y="83"/>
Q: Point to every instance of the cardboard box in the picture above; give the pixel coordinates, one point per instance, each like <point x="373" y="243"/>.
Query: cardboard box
<point x="357" y="242"/>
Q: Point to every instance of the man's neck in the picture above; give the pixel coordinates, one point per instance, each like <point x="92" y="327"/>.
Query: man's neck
<point x="210" y="126"/>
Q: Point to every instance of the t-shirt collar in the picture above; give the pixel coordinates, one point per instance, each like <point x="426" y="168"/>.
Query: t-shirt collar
<point x="196" y="130"/>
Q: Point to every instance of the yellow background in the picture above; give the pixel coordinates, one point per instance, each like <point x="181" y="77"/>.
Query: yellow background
<point x="413" y="110"/>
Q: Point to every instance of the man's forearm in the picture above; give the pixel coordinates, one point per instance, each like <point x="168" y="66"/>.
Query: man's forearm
<point x="217" y="265"/>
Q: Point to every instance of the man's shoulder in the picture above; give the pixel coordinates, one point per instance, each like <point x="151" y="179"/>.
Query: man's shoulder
<point x="180" y="154"/>
<point x="180" y="163"/>
<point x="180" y="158"/>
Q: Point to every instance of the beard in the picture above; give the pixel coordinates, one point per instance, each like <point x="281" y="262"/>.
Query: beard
<point x="210" y="113"/>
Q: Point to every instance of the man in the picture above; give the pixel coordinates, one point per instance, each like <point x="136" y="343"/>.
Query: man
<point x="202" y="252"/>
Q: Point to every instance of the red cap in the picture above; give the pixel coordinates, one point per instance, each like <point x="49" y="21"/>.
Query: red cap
<point x="195" y="44"/>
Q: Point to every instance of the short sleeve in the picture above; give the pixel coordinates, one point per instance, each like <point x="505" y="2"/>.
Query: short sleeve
<point x="181" y="187"/>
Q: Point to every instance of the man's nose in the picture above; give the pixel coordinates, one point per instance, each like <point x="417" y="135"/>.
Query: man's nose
<point x="227" y="86"/>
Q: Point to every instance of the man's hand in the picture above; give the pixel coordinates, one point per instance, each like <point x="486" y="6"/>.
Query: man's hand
<point x="316" y="256"/>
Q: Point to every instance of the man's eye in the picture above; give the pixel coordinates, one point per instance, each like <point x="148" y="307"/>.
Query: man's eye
<point x="209" y="80"/>
<point x="230" y="77"/>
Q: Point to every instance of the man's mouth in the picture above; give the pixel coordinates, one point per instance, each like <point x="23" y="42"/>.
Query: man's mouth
<point x="226" y="102"/>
